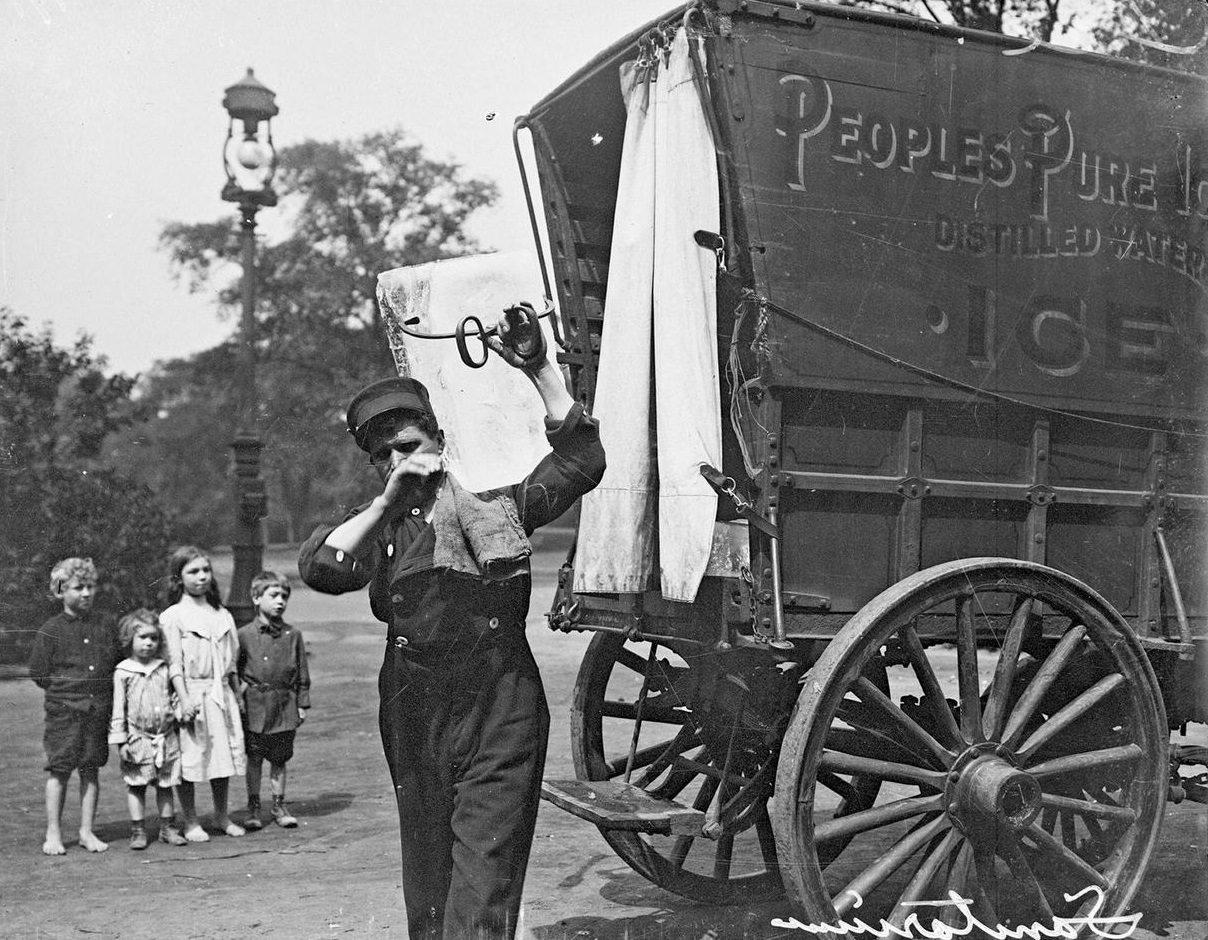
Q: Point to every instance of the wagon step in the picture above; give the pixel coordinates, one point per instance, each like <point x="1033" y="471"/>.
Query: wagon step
<point x="614" y="804"/>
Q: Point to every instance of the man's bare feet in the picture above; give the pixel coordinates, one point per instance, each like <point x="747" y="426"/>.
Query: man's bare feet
<point x="53" y="846"/>
<point x="91" y="842"/>
<point x="196" y="834"/>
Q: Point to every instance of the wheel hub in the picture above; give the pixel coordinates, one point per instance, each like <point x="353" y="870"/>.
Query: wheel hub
<point x="990" y="792"/>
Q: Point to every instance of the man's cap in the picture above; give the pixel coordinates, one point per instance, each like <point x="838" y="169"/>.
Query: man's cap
<point x="400" y="394"/>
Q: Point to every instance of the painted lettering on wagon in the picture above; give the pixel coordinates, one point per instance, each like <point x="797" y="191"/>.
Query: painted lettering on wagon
<point x="1058" y="333"/>
<point x="1047" y="240"/>
<point x="1040" y="152"/>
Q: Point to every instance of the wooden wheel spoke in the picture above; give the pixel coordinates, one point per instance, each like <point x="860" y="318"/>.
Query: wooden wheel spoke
<point x="684" y="740"/>
<point x="680" y="849"/>
<point x="1070" y="713"/>
<point x="928" y="868"/>
<point x="964" y="880"/>
<point x="723" y="856"/>
<point x="968" y="681"/>
<point x="1087" y="808"/>
<point x="653" y="754"/>
<point x="746" y="794"/>
<point x="866" y="743"/>
<point x="674" y="785"/>
<point x="683" y="844"/>
<point x="767" y="838"/>
<point x="837" y="785"/>
<point x="1053" y="850"/>
<point x="841" y="827"/>
<point x="1068" y="837"/>
<point x="1095" y="828"/>
<point x="657" y="713"/>
<point x="888" y="863"/>
<point x="910" y="729"/>
<point x="712" y="771"/>
<point x="1049" y="670"/>
<point x="631" y="661"/>
<point x="945" y="721"/>
<point x="882" y="770"/>
<point x="1005" y="671"/>
<point x="1088" y="760"/>
<point x="1023" y="873"/>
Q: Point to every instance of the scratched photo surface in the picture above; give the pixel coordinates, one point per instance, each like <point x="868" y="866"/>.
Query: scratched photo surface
<point x="889" y="614"/>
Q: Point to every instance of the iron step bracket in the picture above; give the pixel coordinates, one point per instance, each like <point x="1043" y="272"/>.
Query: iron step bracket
<point x="614" y="804"/>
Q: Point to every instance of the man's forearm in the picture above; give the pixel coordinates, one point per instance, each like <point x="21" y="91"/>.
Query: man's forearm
<point x="552" y="389"/>
<point x="357" y="531"/>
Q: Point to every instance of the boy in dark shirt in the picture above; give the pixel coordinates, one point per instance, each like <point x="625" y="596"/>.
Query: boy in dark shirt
<point x="276" y="694"/>
<point x="72" y="660"/>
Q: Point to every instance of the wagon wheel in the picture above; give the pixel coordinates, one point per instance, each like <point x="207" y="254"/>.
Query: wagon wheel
<point x="1023" y="749"/>
<point x="710" y="725"/>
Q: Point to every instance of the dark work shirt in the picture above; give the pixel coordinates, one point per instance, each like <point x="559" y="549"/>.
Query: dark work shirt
<point x="277" y="678"/>
<point x="430" y="608"/>
<point x="73" y="660"/>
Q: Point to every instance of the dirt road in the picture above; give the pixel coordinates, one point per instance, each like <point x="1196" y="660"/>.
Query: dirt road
<point x="337" y="874"/>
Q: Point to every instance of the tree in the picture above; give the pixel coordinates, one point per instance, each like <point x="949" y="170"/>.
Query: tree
<point x="1144" y="30"/>
<point x="349" y="210"/>
<point x="59" y="496"/>
<point x="1170" y="33"/>
<point x="1033" y="19"/>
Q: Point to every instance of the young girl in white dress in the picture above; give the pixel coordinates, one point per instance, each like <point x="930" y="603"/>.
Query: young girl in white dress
<point x="202" y="651"/>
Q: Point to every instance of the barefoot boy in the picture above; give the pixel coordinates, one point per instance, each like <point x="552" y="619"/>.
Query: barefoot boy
<point x="272" y="666"/>
<point x="72" y="660"/>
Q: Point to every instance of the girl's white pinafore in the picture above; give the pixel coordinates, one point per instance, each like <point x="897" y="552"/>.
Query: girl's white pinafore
<point x="202" y="648"/>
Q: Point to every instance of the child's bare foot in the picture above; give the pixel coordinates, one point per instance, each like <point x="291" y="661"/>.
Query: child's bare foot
<point x="196" y="834"/>
<point x="53" y="846"/>
<point x="91" y="842"/>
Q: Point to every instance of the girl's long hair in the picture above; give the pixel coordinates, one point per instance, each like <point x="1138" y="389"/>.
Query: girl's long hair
<point x="176" y="564"/>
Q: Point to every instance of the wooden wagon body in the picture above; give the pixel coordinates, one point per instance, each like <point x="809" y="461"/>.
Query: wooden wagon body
<point x="962" y="278"/>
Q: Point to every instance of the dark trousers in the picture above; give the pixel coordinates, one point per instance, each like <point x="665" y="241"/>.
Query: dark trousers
<point x="465" y="734"/>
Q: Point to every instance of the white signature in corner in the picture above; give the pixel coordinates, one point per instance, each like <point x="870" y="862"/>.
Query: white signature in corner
<point x="912" y="927"/>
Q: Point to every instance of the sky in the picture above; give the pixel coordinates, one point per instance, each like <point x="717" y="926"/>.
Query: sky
<point x="111" y="125"/>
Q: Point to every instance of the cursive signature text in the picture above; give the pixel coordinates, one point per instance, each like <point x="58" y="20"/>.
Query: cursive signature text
<point x="913" y="927"/>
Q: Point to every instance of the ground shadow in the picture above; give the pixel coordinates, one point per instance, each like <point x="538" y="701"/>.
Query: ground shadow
<point x="731" y="923"/>
<point x="677" y="918"/>
<point x="325" y="804"/>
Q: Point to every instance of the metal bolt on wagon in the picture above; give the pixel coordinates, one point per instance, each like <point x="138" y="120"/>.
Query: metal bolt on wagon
<point x="898" y="578"/>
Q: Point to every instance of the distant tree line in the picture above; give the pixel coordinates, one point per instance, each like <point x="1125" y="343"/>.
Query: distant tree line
<point x="59" y="494"/>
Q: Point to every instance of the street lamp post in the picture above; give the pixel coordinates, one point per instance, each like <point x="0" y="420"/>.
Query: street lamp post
<point x="249" y="161"/>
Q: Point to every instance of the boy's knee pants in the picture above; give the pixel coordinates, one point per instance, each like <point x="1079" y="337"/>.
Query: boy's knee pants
<point x="465" y="738"/>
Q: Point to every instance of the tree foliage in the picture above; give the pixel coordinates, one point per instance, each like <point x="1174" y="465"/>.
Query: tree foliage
<point x="348" y="210"/>
<point x="1034" y="19"/>
<point x="58" y="494"/>
<point x="1169" y="33"/>
<point x="1112" y="26"/>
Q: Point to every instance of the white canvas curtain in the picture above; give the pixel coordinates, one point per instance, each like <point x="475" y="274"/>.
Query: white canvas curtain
<point x="661" y="298"/>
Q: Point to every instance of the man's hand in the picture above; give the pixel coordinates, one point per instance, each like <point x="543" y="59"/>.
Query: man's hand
<point x="408" y="485"/>
<point x="301" y="715"/>
<point x="518" y="338"/>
